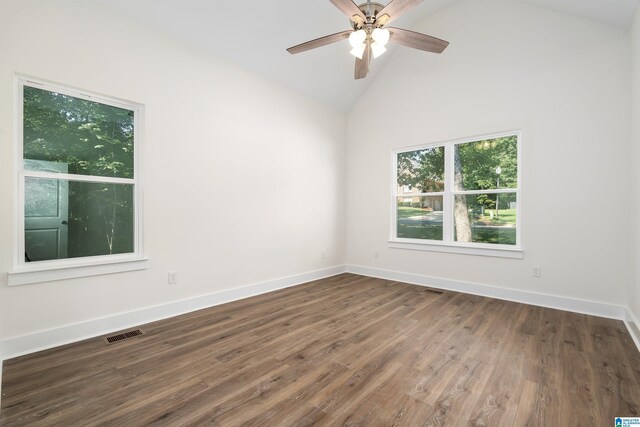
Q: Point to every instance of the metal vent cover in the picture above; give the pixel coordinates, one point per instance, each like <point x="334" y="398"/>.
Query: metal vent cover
<point x="123" y="336"/>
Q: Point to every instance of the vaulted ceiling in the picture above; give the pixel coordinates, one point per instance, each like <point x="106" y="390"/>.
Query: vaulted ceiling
<point x="255" y="34"/>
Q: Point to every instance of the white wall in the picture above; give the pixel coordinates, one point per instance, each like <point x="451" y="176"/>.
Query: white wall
<point x="565" y="83"/>
<point x="634" y="288"/>
<point x="244" y="179"/>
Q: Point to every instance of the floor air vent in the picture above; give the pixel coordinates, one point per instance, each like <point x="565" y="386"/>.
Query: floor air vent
<point x="434" y="291"/>
<point x="123" y="336"/>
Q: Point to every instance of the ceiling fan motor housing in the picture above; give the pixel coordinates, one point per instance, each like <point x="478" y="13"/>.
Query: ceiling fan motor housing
<point x="370" y="11"/>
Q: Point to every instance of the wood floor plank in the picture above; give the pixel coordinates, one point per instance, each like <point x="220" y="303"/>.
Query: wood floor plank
<point x="498" y="403"/>
<point x="459" y="396"/>
<point x="283" y="413"/>
<point x="224" y="397"/>
<point x="404" y="410"/>
<point x="545" y="365"/>
<point x="344" y="393"/>
<point x="578" y="390"/>
<point x="444" y="353"/>
<point x="539" y="406"/>
<point x="346" y="350"/>
<point x="613" y="376"/>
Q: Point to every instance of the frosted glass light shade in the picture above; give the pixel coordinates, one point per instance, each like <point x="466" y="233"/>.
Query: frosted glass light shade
<point x="358" y="51"/>
<point x="377" y="49"/>
<point x="357" y="38"/>
<point x="380" y="36"/>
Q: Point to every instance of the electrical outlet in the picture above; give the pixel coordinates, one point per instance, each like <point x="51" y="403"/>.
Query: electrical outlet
<point x="173" y="277"/>
<point x="376" y="254"/>
<point x="537" y="271"/>
<point x="323" y="255"/>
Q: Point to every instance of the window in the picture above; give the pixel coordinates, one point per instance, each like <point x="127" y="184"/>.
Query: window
<point x="464" y="194"/>
<point x="78" y="184"/>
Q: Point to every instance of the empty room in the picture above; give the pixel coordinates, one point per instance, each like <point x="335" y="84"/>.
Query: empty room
<point x="320" y="212"/>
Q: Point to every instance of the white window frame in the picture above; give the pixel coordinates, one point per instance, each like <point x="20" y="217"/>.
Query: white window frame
<point x="448" y="244"/>
<point x="43" y="271"/>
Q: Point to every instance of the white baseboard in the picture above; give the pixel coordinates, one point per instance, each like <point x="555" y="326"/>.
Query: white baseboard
<point x="42" y="340"/>
<point x="633" y="326"/>
<point x="593" y="308"/>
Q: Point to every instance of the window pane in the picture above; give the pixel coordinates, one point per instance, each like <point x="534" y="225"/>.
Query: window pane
<point x="42" y="198"/>
<point x="419" y="217"/>
<point x="486" y="164"/>
<point x="69" y="219"/>
<point x="486" y="218"/>
<point x="84" y="137"/>
<point x="422" y="171"/>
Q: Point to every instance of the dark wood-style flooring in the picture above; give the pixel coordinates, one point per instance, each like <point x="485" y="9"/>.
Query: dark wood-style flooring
<point x="348" y="350"/>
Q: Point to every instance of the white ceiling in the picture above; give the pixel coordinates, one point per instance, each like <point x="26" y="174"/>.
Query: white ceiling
<point x="255" y="34"/>
<point x="612" y="12"/>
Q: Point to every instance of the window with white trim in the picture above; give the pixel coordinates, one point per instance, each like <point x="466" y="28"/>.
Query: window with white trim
<point x="78" y="182"/>
<point x="465" y="193"/>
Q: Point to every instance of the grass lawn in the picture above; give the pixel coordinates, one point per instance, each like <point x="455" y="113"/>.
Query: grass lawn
<point x="507" y="216"/>
<point x="503" y="236"/>
<point x="427" y="231"/>
<point x="482" y="227"/>
<point x="407" y="211"/>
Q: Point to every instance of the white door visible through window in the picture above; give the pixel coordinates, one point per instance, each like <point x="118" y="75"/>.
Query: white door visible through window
<point x="46" y="213"/>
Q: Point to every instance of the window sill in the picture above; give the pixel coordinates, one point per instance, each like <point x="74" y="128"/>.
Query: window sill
<point x="49" y="273"/>
<point x="447" y="247"/>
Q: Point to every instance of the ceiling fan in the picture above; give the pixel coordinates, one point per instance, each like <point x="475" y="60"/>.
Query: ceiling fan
<point x="370" y="33"/>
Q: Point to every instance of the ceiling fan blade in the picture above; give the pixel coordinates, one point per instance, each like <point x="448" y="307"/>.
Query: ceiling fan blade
<point x="349" y="8"/>
<point x="312" y="44"/>
<point x="417" y="40"/>
<point x="395" y="9"/>
<point x="362" y="65"/>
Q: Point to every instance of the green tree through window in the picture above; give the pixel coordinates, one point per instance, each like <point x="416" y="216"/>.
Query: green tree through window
<point x="480" y="200"/>
<point x="85" y="149"/>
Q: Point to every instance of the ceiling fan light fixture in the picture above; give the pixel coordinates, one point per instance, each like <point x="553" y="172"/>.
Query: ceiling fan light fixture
<point x="368" y="33"/>
<point x="377" y="49"/>
<point x="380" y="36"/>
<point x="358" y="51"/>
<point x="357" y="38"/>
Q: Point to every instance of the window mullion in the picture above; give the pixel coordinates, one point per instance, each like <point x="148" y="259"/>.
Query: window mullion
<point x="437" y="193"/>
<point x="447" y="202"/>
<point x="493" y="191"/>
<point x="394" y="197"/>
<point x="74" y="177"/>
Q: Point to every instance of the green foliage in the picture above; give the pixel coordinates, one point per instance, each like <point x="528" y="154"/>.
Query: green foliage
<point x="90" y="138"/>
<point x="100" y="218"/>
<point x="486" y="201"/>
<point x="422" y="169"/>
<point x="480" y="159"/>
<point x="495" y="235"/>
<point x="420" y="231"/>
